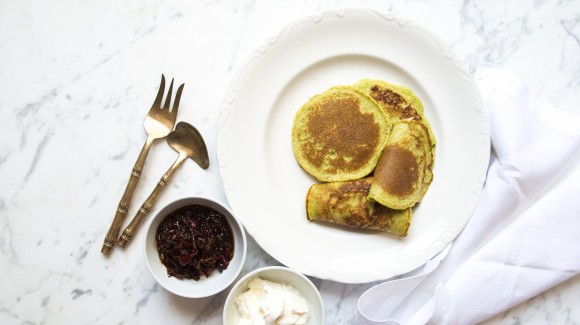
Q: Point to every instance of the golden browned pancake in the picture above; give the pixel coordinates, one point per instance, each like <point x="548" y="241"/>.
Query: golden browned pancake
<point x="338" y="135"/>
<point x="346" y="203"/>
<point x="401" y="103"/>
<point x="400" y="179"/>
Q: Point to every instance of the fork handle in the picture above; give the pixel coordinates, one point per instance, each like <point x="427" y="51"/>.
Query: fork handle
<point x="132" y="228"/>
<point x="113" y="233"/>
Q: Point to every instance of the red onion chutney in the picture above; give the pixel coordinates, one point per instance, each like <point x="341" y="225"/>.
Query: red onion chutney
<point x="194" y="241"/>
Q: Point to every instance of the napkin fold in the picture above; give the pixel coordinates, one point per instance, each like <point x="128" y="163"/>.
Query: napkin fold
<point x="524" y="236"/>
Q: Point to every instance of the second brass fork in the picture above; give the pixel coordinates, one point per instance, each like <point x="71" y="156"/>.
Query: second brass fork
<point x="158" y="123"/>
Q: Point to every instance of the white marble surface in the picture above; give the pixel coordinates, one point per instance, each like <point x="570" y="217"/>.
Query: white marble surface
<point x="76" y="80"/>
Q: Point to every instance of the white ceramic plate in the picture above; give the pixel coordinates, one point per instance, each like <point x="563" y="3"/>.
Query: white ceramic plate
<point x="265" y="185"/>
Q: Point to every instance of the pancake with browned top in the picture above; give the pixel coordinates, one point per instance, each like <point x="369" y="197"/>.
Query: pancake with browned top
<point x="400" y="178"/>
<point x="401" y="103"/>
<point x="338" y="135"/>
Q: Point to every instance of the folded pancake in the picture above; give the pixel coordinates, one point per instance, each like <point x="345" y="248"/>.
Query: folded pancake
<point x="338" y="135"/>
<point x="401" y="103"/>
<point x="402" y="175"/>
<point x="347" y="203"/>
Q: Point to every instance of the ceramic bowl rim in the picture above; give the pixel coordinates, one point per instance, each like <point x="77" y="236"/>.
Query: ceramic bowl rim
<point x="319" y="303"/>
<point x="176" y="286"/>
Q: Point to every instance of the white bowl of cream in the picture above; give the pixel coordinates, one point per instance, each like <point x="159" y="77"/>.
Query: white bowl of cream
<point x="274" y="295"/>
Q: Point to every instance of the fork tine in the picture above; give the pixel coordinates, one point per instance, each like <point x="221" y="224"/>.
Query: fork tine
<point x="176" y="102"/>
<point x="168" y="99"/>
<point x="157" y="102"/>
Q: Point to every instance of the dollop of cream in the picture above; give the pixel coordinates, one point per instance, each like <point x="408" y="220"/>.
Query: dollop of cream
<point x="271" y="303"/>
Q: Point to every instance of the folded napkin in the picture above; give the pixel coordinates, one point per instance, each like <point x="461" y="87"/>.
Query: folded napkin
<point x="524" y="236"/>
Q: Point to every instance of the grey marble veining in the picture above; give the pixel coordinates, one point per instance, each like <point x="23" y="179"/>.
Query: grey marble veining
<point x="69" y="69"/>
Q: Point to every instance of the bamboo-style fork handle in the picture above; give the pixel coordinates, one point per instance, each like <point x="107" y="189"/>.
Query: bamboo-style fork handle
<point x="111" y="237"/>
<point x="132" y="228"/>
<point x="158" y="124"/>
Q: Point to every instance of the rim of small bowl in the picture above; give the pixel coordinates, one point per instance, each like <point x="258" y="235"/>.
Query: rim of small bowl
<point x="168" y="282"/>
<point x="243" y="280"/>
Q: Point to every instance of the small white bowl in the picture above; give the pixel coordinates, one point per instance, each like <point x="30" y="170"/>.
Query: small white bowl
<point x="203" y="287"/>
<point x="279" y="274"/>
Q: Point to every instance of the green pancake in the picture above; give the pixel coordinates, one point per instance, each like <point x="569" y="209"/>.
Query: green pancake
<point x="393" y="98"/>
<point x="402" y="175"/>
<point x="346" y="203"/>
<point x="339" y="135"/>
<point x="401" y="103"/>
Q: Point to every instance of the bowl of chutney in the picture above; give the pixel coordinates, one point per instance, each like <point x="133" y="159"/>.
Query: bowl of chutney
<point x="195" y="247"/>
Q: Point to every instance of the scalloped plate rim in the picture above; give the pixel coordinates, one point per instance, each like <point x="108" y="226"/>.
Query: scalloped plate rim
<point x="225" y="160"/>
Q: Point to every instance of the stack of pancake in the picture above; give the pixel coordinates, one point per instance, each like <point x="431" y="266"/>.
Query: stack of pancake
<point x="373" y="150"/>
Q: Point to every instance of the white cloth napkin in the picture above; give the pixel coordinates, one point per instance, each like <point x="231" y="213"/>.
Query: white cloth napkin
<point x="524" y="236"/>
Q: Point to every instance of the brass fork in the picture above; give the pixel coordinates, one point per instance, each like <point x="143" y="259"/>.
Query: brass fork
<point x="158" y="123"/>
